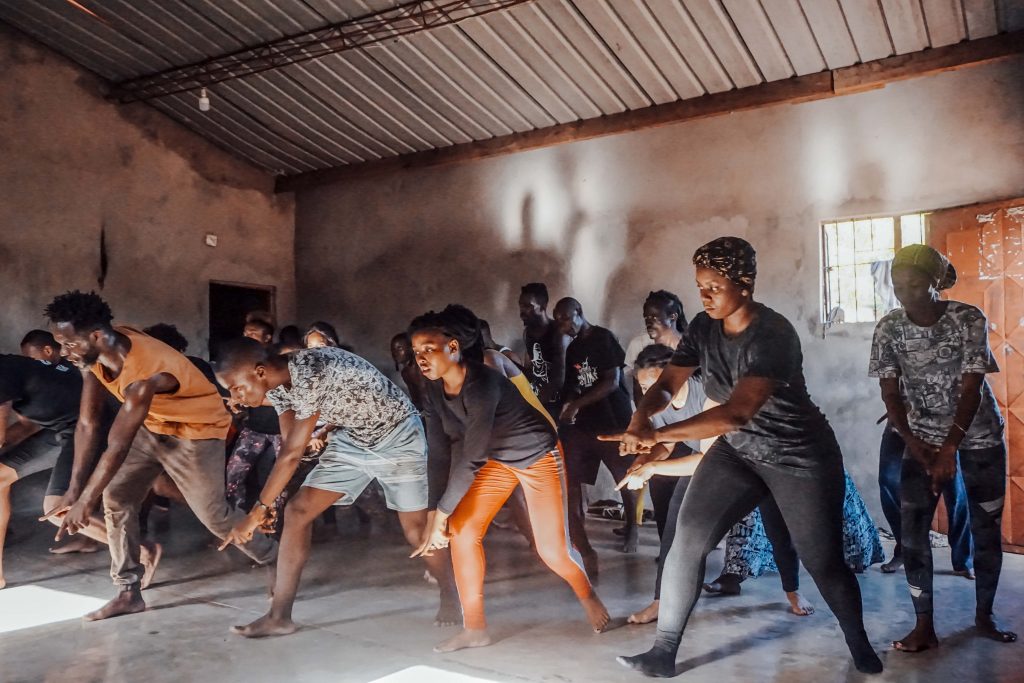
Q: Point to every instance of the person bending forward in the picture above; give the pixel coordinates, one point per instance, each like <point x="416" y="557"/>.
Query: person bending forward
<point x="378" y="436"/>
<point x="484" y="440"/>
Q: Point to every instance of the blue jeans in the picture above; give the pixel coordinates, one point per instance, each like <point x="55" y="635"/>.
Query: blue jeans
<point x="890" y="462"/>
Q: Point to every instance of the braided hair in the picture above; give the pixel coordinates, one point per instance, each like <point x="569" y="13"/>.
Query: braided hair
<point x="670" y="303"/>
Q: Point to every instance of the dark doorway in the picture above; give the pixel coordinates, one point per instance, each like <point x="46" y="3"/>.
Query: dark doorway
<point x="230" y="303"/>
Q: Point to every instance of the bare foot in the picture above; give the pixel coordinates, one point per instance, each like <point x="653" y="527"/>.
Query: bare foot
<point x="965" y="573"/>
<point x="798" y="605"/>
<point x="127" y="602"/>
<point x="597" y="615"/>
<point x="266" y="626"/>
<point x="3" y="583"/>
<point x="987" y="626"/>
<point x="893" y="565"/>
<point x="467" y="637"/>
<point x="646" y="615"/>
<point x="920" y="639"/>
<point x="149" y="555"/>
<point x="77" y="544"/>
<point x="449" y="614"/>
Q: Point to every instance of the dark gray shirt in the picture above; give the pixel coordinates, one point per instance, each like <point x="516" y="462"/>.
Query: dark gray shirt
<point x="789" y="428"/>
<point x="488" y="420"/>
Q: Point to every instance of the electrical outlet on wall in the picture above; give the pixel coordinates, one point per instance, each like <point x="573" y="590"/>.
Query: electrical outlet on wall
<point x="211" y="240"/>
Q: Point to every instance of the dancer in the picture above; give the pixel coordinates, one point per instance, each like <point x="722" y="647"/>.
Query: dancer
<point x="320" y="334"/>
<point x="664" y="322"/>
<point x="485" y="440"/>
<point x="172" y="419"/>
<point x="405" y="365"/>
<point x="596" y="402"/>
<point x="43" y="399"/>
<point x="954" y="493"/>
<point x="40" y="345"/>
<point x="772" y="439"/>
<point x="545" y="347"/>
<point x="676" y="462"/>
<point x="378" y="436"/>
<point x="931" y="358"/>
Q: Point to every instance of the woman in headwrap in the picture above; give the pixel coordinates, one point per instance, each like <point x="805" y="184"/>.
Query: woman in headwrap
<point x="772" y="440"/>
<point x="931" y="358"/>
<point x="484" y="439"/>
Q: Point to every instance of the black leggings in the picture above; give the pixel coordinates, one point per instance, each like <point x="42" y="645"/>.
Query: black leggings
<point x="727" y="486"/>
<point x="666" y="513"/>
<point x="985" y="479"/>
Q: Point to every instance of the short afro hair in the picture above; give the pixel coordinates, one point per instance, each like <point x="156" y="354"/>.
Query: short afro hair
<point x="85" y="311"/>
<point x="266" y="326"/>
<point x="168" y="334"/>
<point x="39" y="338"/>
<point x="241" y="351"/>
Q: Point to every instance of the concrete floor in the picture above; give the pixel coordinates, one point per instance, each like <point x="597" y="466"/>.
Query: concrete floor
<point x="367" y="616"/>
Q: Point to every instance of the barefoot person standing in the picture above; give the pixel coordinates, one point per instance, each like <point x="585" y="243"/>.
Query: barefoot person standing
<point x="485" y="439"/>
<point x="931" y="358"/>
<point x="171" y="420"/>
<point x="378" y="436"/>
<point x="772" y="439"/>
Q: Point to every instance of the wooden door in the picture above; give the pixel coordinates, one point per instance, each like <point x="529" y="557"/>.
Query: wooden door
<point x="984" y="243"/>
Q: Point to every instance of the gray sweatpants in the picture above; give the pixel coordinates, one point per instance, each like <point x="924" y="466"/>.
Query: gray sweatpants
<point x="197" y="468"/>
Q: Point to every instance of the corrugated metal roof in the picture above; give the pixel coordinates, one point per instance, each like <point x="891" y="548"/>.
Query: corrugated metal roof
<point x="529" y="67"/>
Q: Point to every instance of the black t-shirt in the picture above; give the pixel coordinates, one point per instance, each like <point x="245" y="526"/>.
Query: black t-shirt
<point x="789" y="428"/>
<point x="263" y="419"/>
<point x="586" y="358"/>
<point x="542" y="353"/>
<point x="49" y="395"/>
<point x="488" y="420"/>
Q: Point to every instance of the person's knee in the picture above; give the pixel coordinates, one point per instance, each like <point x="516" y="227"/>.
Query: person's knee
<point x="8" y="475"/>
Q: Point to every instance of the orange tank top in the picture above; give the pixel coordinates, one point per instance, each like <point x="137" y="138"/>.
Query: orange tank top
<point x="194" y="411"/>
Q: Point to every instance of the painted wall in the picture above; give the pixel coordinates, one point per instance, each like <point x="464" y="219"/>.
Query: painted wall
<point x="73" y="164"/>
<point x="608" y="220"/>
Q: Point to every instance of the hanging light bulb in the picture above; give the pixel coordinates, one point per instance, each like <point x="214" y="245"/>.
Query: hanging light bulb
<point x="204" y="100"/>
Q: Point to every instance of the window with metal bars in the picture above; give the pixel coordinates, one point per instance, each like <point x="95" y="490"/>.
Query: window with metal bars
<point x="856" y="264"/>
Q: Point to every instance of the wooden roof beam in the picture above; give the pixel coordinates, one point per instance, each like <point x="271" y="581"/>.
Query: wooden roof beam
<point x="857" y="78"/>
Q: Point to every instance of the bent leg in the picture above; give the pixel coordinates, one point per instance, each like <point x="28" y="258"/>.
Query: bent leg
<point x="961" y="541"/>
<point x="723" y="489"/>
<point x="544" y="487"/>
<point x="811" y="503"/>
<point x="197" y="468"/>
<point x="985" y="479"/>
<point x="305" y="507"/>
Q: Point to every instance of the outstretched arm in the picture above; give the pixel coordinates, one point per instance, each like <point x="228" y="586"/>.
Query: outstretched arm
<point x="295" y="435"/>
<point x="138" y="397"/>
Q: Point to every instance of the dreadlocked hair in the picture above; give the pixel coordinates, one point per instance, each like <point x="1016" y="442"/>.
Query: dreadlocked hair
<point x="455" y="322"/>
<point x="83" y="311"/>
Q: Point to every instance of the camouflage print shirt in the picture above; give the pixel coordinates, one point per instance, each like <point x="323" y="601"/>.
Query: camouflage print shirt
<point x="932" y="361"/>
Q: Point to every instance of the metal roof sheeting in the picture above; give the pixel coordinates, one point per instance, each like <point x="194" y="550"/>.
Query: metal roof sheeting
<point x="536" y="65"/>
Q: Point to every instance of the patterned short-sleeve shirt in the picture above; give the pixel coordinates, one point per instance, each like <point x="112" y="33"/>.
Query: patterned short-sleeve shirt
<point x="932" y="362"/>
<point x="346" y="390"/>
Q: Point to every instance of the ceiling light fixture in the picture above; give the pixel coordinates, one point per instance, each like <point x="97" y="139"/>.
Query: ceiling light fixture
<point x="204" y="100"/>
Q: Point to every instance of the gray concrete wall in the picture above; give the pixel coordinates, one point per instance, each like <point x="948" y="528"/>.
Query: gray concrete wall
<point x="609" y="219"/>
<point x="73" y="164"/>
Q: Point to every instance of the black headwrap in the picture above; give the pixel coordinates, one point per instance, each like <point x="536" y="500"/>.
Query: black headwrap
<point x="731" y="257"/>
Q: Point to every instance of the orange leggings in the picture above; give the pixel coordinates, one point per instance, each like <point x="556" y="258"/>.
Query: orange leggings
<point x="544" y="487"/>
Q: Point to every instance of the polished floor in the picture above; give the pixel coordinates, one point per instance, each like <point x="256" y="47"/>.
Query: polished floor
<point x="366" y="613"/>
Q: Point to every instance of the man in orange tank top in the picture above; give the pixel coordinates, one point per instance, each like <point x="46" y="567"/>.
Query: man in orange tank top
<point x="171" y="420"/>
